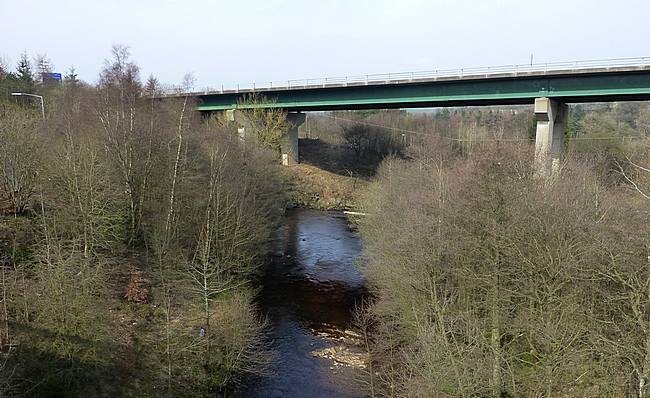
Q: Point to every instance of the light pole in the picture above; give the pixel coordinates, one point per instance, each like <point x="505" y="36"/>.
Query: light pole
<point x="33" y="95"/>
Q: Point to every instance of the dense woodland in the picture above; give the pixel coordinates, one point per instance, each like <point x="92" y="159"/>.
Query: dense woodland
<point x="491" y="281"/>
<point x="133" y="230"/>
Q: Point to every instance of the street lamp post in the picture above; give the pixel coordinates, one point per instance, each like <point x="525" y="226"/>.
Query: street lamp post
<point x="35" y="96"/>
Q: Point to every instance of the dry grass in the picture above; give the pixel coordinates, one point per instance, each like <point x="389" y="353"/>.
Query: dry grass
<point x="312" y="187"/>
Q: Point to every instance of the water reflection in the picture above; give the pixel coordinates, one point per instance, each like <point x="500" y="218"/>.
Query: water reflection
<point x="309" y="292"/>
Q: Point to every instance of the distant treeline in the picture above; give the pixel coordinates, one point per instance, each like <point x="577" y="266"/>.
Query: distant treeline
<point x="360" y="140"/>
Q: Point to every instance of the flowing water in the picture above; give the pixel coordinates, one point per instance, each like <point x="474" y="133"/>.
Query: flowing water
<point x="309" y="293"/>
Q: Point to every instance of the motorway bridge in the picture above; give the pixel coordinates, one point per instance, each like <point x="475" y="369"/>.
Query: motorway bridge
<point x="548" y="86"/>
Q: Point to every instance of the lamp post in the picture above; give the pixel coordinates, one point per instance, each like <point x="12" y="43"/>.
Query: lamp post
<point x="35" y="96"/>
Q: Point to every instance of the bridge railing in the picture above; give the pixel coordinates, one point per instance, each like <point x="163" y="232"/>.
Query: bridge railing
<point x="429" y="75"/>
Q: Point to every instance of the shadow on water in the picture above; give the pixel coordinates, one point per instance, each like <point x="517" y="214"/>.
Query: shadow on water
<point x="310" y="290"/>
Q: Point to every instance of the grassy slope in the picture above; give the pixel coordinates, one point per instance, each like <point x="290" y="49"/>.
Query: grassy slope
<point x="310" y="186"/>
<point x="329" y="176"/>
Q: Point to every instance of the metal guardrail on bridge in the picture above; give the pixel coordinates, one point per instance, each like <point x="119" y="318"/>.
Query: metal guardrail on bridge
<point x="430" y="75"/>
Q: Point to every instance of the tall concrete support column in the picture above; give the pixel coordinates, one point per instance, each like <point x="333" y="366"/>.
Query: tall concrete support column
<point x="233" y="115"/>
<point x="551" y="119"/>
<point x="289" y="143"/>
<point x="289" y="148"/>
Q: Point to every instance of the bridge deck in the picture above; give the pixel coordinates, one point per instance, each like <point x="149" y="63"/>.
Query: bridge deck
<point x="484" y="86"/>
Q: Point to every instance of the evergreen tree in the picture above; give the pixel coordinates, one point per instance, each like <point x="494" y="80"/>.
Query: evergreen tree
<point x="152" y="86"/>
<point x="444" y="114"/>
<point x="24" y="70"/>
<point x="576" y="114"/>
<point x="71" y="76"/>
<point x="24" y="76"/>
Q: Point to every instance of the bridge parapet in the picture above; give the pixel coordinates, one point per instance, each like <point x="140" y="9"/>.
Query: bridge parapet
<point x="494" y="72"/>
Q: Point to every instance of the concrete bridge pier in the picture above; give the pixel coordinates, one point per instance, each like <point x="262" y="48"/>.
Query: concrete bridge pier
<point x="289" y="147"/>
<point x="551" y="116"/>
<point x="235" y="116"/>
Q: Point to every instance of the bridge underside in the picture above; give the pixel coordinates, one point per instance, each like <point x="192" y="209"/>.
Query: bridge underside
<point x="203" y="107"/>
<point x="451" y="103"/>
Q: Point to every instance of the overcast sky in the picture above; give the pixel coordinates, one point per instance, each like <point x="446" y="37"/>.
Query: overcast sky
<point x="230" y="41"/>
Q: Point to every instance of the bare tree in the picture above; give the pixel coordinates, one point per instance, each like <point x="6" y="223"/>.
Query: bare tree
<point x="635" y="169"/>
<point x="165" y="239"/>
<point x="118" y="109"/>
<point x="225" y="253"/>
<point x="92" y="210"/>
<point x="43" y="66"/>
<point x="19" y="154"/>
<point x="487" y="281"/>
<point x="268" y="124"/>
<point x="356" y="137"/>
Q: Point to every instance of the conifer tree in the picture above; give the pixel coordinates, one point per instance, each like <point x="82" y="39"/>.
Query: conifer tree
<point x="71" y="76"/>
<point x="24" y="70"/>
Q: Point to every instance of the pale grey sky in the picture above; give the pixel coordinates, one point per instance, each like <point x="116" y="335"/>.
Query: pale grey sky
<point x="230" y="41"/>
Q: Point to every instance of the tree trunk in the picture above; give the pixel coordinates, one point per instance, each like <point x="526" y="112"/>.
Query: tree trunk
<point x="496" y="382"/>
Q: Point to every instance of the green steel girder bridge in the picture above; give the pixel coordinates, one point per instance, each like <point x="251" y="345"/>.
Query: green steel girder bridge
<point x="583" y="81"/>
<point x="549" y="86"/>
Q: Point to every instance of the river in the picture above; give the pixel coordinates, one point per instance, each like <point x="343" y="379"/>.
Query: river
<point x="309" y="293"/>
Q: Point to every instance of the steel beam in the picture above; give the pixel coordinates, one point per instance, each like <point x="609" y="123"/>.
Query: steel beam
<point x="511" y="90"/>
